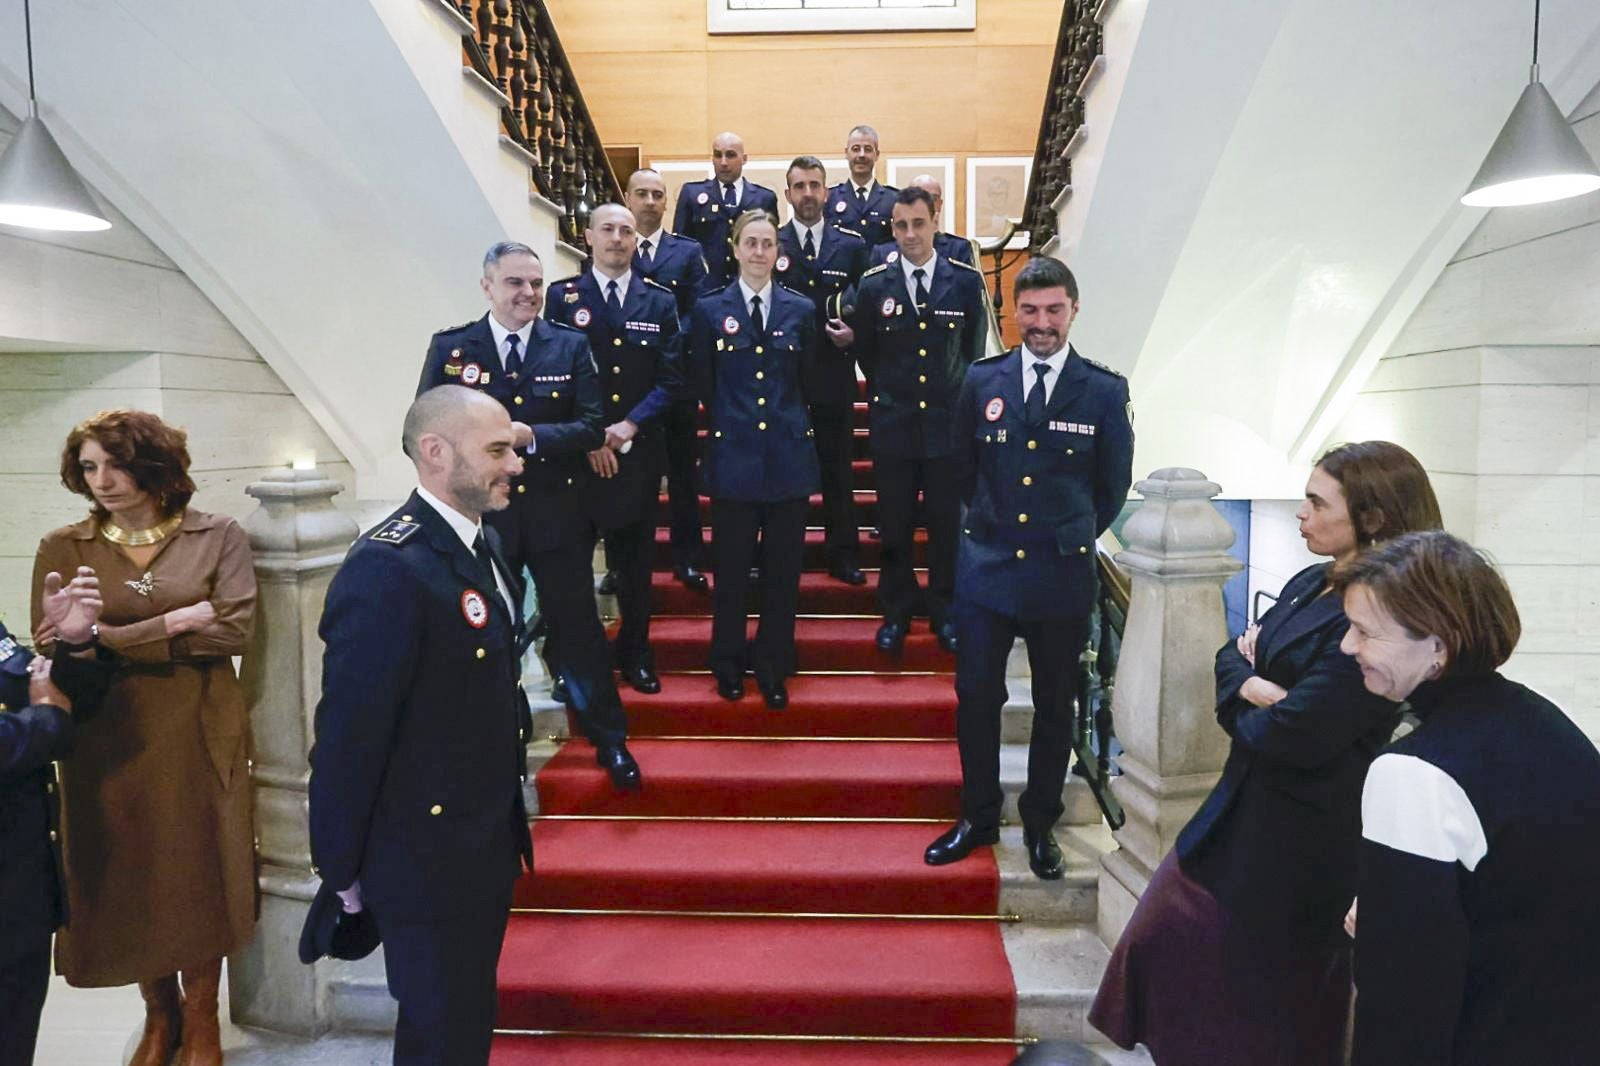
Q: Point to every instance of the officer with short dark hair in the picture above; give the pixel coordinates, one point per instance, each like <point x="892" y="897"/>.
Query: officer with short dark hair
<point x="917" y="324"/>
<point x="632" y="326"/>
<point x="708" y="209"/>
<point x="862" y="205"/>
<point x="544" y="376"/>
<point x="678" y="263"/>
<point x="1044" y="458"/>
<point x="821" y="261"/>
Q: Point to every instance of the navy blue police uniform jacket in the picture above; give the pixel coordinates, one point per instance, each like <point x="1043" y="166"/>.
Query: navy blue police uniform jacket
<point x="839" y="261"/>
<point x="916" y="363"/>
<point x="677" y="263"/>
<point x="557" y="392"/>
<point x="872" y="221"/>
<point x="419" y="759"/>
<point x="33" y="897"/>
<point x="945" y="246"/>
<point x="702" y="215"/>
<point x="759" y="445"/>
<point x="638" y="356"/>
<point x="1038" y="496"/>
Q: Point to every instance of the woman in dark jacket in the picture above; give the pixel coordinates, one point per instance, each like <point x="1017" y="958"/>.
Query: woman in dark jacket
<point x="37" y="700"/>
<point x="1478" y="932"/>
<point x="1236" y="952"/>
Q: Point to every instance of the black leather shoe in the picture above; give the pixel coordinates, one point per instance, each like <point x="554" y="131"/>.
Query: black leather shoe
<point x="1044" y="855"/>
<point x="692" y="578"/>
<point x="773" y="693"/>
<point x="616" y="762"/>
<point x="730" y="688"/>
<point x="891" y="637"/>
<point x="558" y="691"/>
<point x="847" y="571"/>
<point x="608" y="584"/>
<point x="958" y="842"/>
<point x="947" y="637"/>
<point x="642" y="679"/>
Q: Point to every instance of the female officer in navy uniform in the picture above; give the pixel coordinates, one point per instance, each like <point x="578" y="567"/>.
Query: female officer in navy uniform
<point x="750" y="344"/>
<point x="37" y="700"/>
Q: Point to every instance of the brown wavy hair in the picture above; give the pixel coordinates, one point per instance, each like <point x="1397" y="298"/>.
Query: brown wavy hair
<point x="153" y="453"/>
<point x="1385" y="490"/>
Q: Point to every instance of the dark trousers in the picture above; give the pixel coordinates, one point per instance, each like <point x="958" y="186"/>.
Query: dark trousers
<point x="442" y="974"/>
<point x="833" y="427"/>
<point x="628" y="552"/>
<point x="735" y="527"/>
<point x="24" y="980"/>
<point x="898" y="482"/>
<point x="575" y="641"/>
<point x="1054" y="644"/>
<point x="683" y="493"/>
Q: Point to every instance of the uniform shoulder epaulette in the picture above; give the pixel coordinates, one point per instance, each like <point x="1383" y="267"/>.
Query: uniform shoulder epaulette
<point x="790" y="290"/>
<point x="394" y="531"/>
<point x="990" y="358"/>
<point x="573" y="280"/>
<point x="458" y="329"/>
<point x="880" y="268"/>
<point x="719" y="288"/>
<point x="562" y="327"/>
<point x="962" y="264"/>
<point x="654" y="284"/>
<point x="1101" y="366"/>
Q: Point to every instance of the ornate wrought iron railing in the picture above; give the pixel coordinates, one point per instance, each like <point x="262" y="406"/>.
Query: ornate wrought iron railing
<point x="1077" y="46"/>
<point x="1093" y="741"/>
<point x="514" y="45"/>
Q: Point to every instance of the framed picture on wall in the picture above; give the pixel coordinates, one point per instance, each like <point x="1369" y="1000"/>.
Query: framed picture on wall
<point x="838" y="16"/>
<point x="675" y="173"/>
<point x="997" y="189"/>
<point x="899" y="172"/>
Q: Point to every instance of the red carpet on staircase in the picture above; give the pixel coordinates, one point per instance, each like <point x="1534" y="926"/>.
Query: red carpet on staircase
<point x="768" y="882"/>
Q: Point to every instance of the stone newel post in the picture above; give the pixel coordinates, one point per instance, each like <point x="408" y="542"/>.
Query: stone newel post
<point x="1165" y="694"/>
<point x="299" y="538"/>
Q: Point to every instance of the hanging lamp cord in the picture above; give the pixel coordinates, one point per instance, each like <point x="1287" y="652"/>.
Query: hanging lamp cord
<point x="1536" y="34"/>
<point x="27" y="33"/>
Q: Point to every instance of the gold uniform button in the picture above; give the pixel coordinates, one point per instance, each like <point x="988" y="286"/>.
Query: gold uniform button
<point x="922" y="351"/>
<point x="569" y="481"/>
<point x="1023" y="518"/>
<point x="923" y="404"/>
<point x="50" y="786"/>
<point x="522" y="488"/>
<point x="616" y="370"/>
<point x="3" y="707"/>
<point x="761" y="425"/>
<point x="480" y="653"/>
<point x="1021" y="554"/>
<point x="761" y="401"/>
<point x="718" y="433"/>
<point x="1069" y="451"/>
<point x="759" y="349"/>
<point x="517" y="400"/>
<point x="436" y="810"/>
<point x="922" y="325"/>
<point x="1026" y="480"/>
<point x="1032" y="444"/>
<point x="52" y="836"/>
<point x="1082" y="550"/>
<point x="952" y="325"/>
<point x="616" y="397"/>
<point x="405" y="518"/>
<point x="616" y="342"/>
<point x="555" y="396"/>
<point x="922" y="379"/>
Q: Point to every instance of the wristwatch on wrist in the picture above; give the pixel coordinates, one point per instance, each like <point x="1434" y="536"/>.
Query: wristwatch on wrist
<point x="71" y="648"/>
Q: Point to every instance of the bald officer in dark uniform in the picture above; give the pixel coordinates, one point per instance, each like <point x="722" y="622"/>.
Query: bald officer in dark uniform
<point x="544" y="376"/>
<point x="820" y="262"/>
<point x="632" y="326"/>
<point x="862" y="205"/>
<point x="419" y="759"/>
<point x="678" y="263"/>
<point x="1044" y="457"/>
<point x="707" y="209"/>
<point x="917" y="325"/>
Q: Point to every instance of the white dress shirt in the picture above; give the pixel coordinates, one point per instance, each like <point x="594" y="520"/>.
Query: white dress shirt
<point x="468" y="531"/>
<point x="1051" y="376"/>
<point x="927" y="275"/>
<point x="800" y="232"/>
<point x="622" y="283"/>
<point x="738" y="190"/>
<point x="501" y="333"/>
<point x="655" y="244"/>
<point x="766" y="299"/>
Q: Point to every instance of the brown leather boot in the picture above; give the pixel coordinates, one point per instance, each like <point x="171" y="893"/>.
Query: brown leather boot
<point x="163" y="1021"/>
<point x="202" y="1033"/>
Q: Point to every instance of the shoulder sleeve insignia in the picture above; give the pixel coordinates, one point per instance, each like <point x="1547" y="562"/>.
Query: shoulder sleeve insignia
<point x="880" y="268"/>
<point x="394" y="531"/>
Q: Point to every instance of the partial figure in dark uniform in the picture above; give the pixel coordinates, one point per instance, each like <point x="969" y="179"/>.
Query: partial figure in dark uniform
<point x="39" y="698"/>
<point x="916" y="326"/>
<point x="862" y="205"/>
<point x="707" y="209"/>
<point x="632" y="326"/>
<point x="749" y="344"/>
<point x="679" y="264"/>
<point x="945" y="245"/>
<point x="1044" y="458"/>
<point x="544" y="376"/>
<point x="821" y="262"/>
<point x="421" y="732"/>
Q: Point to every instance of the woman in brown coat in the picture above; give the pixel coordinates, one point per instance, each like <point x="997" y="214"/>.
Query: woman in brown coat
<point x="156" y="792"/>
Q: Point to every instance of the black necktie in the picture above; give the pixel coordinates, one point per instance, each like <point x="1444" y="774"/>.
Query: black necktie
<point x="755" y="316"/>
<point x="861" y="196"/>
<point x="922" y="291"/>
<point x="809" y="247"/>
<point x="1035" y="401"/>
<point x="513" y="357"/>
<point x="644" y="249"/>
<point x="480" y="548"/>
<point x="612" y="300"/>
<point x="730" y="201"/>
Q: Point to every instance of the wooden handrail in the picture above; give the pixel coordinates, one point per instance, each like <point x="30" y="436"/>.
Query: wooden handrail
<point x="1077" y="46"/>
<point x="515" y="46"/>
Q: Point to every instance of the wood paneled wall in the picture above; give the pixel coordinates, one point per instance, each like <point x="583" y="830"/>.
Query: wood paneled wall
<point x="652" y="76"/>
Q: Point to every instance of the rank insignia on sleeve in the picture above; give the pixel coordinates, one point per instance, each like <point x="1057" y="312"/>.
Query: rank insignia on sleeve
<point x="571" y="296"/>
<point x="451" y="370"/>
<point x="395" y="531"/>
<point x="474" y="609"/>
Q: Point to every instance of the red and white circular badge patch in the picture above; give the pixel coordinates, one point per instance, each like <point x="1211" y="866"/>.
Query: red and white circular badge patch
<point x="994" y="409"/>
<point x="783" y="263"/>
<point x="888" y="307"/>
<point x="702" y="198"/>
<point x="471" y="373"/>
<point x="840" y="207"/>
<point x="730" y="325"/>
<point x="474" y="609"/>
<point x="892" y="257"/>
<point x="581" y="318"/>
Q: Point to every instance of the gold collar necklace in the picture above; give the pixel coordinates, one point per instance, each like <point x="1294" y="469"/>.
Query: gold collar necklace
<point x="139" y="538"/>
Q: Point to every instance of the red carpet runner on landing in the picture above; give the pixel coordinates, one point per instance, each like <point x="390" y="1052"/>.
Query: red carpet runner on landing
<point x="806" y="909"/>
